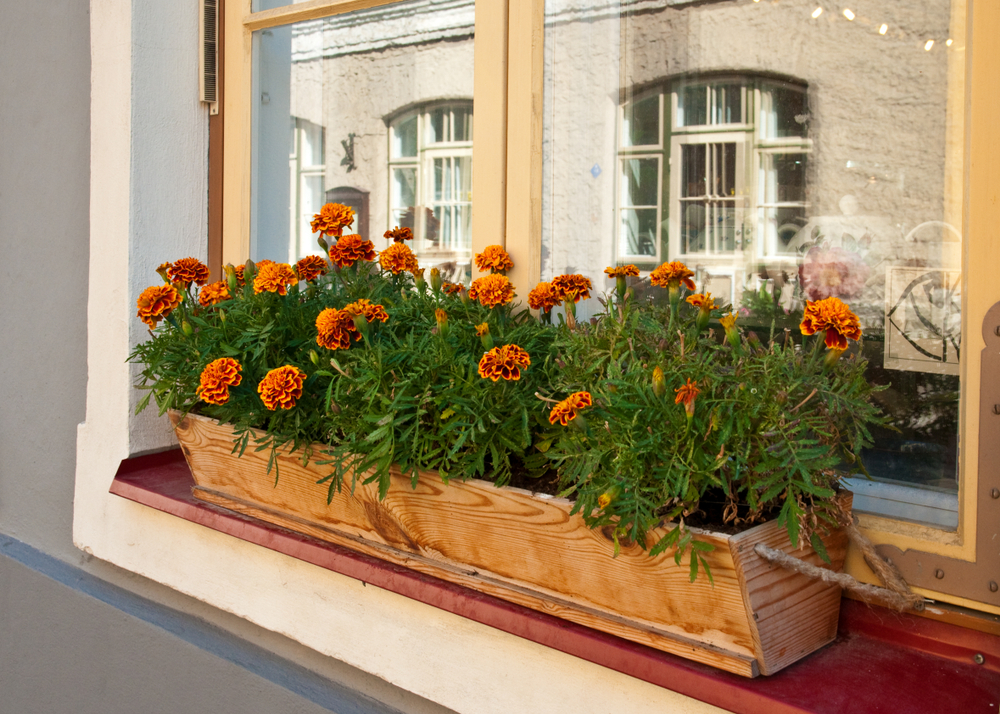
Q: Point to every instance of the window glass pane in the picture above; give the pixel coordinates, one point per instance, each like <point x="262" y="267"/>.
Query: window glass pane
<point x="844" y="178"/>
<point x="785" y="112"/>
<point x="638" y="234"/>
<point x="404" y="137"/>
<point x="462" y="120"/>
<point x="692" y="107"/>
<point x="728" y="104"/>
<point x="438" y="128"/>
<point x="640" y="182"/>
<point x="339" y="78"/>
<point x="641" y="122"/>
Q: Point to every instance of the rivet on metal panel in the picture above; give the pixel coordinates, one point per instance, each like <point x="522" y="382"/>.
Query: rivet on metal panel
<point x="939" y="573"/>
<point x="979" y="659"/>
<point x="995" y="493"/>
<point x="993" y="586"/>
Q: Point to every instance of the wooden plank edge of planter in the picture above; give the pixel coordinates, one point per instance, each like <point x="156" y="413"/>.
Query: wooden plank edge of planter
<point x="759" y="584"/>
<point x="574" y="612"/>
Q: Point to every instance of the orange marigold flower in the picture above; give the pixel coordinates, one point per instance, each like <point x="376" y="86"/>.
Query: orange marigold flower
<point x="702" y="302"/>
<point x="239" y="275"/>
<point x="728" y="321"/>
<point x="686" y="395"/>
<point x="188" y="270"/>
<point x="398" y="235"/>
<point x="565" y="411"/>
<point x="156" y="302"/>
<point x="332" y="219"/>
<point x="492" y="291"/>
<point x="833" y="316"/>
<point x="572" y="287"/>
<point x="452" y="288"/>
<point x="163" y="271"/>
<point x="622" y="271"/>
<point x="273" y="278"/>
<point x="366" y="308"/>
<point x="398" y="258"/>
<point x="482" y="329"/>
<point x="350" y="249"/>
<point x="334" y="329"/>
<point x="311" y="267"/>
<point x="543" y="297"/>
<point x="214" y="293"/>
<point x="281" y="387"/>
<point x="217" y="378"/>
<point x="493" y="259"/>
<point x="672" y="275"/>
<point x="506" y="362"/>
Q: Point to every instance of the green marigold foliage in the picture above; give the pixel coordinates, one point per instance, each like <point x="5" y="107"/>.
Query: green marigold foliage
<point x="681" y="412"/>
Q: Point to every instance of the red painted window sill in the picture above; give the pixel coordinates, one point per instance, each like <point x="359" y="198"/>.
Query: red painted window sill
<point x="880" y="662"/>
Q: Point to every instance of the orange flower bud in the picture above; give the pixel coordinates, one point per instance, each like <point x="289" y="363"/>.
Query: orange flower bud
<point x="659" y="383"/>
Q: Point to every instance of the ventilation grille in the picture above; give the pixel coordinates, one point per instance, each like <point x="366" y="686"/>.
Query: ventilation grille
<point x="209" y="50"/>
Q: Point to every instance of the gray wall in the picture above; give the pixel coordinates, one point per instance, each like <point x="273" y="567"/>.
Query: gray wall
<point x="76" y="634"/>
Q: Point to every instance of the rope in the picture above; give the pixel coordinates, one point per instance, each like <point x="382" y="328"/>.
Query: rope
<point x="896" y="594"/>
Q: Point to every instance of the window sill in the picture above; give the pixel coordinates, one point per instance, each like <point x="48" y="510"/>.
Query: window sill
<point x="918" y="664"/>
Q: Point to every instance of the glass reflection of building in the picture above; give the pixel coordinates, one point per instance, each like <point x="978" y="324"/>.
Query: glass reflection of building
<point x="783" y="157"/>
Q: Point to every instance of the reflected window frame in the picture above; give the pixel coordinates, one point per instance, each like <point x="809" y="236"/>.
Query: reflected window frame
<point x="427" y="238"/>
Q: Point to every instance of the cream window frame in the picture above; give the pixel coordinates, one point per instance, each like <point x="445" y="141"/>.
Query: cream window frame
<point x="508" y="179"/>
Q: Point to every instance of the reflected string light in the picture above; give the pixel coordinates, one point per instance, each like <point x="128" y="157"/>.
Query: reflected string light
<point x="930" y="43"/>
<point x="948" y="42"/>
<point x="817" y="12"/>
<point x="882" y="30"/>
<point x="848" y="14"/>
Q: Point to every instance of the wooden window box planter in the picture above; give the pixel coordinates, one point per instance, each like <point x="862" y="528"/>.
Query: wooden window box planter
<point x="526" y="548"/>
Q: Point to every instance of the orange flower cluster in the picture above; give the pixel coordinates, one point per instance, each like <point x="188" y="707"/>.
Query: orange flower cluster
<point x="214" y="293"/>
<point x="156" y="302"/>
<point x="281" y="387"/>
<point x="332" y="219"/>
<point x="672" y="275"/>
<point x="622" y="271"/>
<point x="366" y="308"/>
<point x="240" y="280"/>
<point x="273" y="278"/>
<point x="334" y="329"/>
<point x="398" y="258"/>
<point x="506" y="362"/>
<point x="350" y="249"/>
<point x="543" y="297"/>
<point x="566" y="411"/>
<point x="217" y="378"/>
<point x="572" y="287"/>
<point x="833" y="316"/>
<point x="398" y="235"/>
<point x="311" y="267"/>
<point x="492" y="291"/>
<point x="494" y="259"/>
<point x="188" y="270"/>
<point x="686" y="394"/>
<point x="452" y="288"/>
<point x="702" y="302"/>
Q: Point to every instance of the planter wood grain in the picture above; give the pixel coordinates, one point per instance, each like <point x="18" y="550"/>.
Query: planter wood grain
<point x="526" y="548"/>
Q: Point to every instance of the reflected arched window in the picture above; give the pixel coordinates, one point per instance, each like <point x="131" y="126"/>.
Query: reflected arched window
<point x="430" y="184"/>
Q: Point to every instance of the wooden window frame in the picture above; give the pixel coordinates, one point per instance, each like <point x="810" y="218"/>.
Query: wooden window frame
<point x="507" y="184"/>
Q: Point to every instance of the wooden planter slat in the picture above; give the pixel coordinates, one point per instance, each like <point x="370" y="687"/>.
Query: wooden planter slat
<point x="527" y="549"/>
